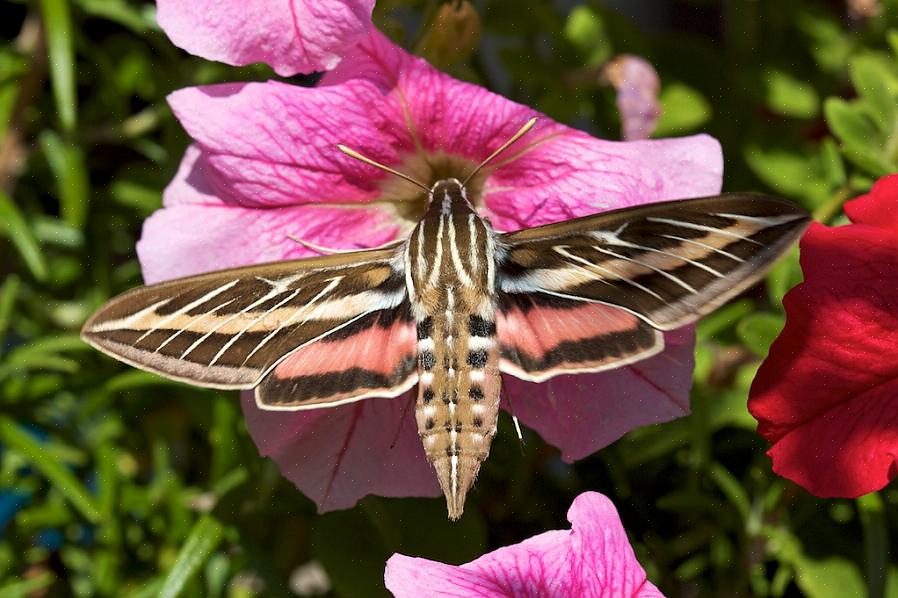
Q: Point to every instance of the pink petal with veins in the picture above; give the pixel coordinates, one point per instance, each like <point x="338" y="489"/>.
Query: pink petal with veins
<point x="292" y="36"/>
<point x="582" y="413"/>
<point x="337" y="456"/>
<point x="554" y="172"/>
<point x="592" y="560"/>
<point x="197" y="231"/>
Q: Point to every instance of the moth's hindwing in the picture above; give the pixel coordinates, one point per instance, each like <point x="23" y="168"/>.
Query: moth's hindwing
<point x="374" y="356"/>
<point x="228" y="329"/>
<point x="668" y="263"/>
<point x="541" y="336"/>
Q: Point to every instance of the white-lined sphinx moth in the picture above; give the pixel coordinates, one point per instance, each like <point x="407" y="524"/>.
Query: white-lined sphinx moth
<point x="450" y="309"/>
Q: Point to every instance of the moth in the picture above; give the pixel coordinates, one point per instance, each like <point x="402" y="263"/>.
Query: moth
<point x="451" y="309"/>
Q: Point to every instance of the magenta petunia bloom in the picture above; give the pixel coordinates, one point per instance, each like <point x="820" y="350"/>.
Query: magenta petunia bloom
<point x="637" y="84"/>
<point x="827" y="395"/>
<point x="591" y="560"/>
<point x="293" y="36"/>
<point x="265" y="165"/>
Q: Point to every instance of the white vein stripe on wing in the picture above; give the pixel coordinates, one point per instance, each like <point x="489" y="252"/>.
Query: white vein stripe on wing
<point x="766" y="221"/>
<point x="207" y="297"/>
<point x="706" y="246"/>
<point x="616" y="275"/>
<point x="249" y="307"/>
<point x="702" y="227"/>
<point x="237" y="336"/>
<point x="630" y="245"/>
<point x="129" y="322"/>
<point x="299" y="311"/>
<point x="193" y="322"/>
<point x="663" y="273"/>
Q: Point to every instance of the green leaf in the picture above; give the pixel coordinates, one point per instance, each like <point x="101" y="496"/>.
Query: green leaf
<point x="134" y="195"/>
<point x="723" y="319"/>
<point x="758" y="331"/>
<point x="14" y="227"/>
<point x="683" y="109"/>
<point x="849" y="123"/>
<point x="871" y="509"/>
<point x="871" y="78"/>
<point x="585" y="30"/>
<point x="790" y="171"/>
<point x="784" y="275"/>
<point x="731" y="488"/>
<point x="72" y="183"/>
<point x="787" y="95"/>
<point x="833" y="166"/>
<point x="119" y="12"/>
<point x="832" y="576"/>
<point x="202" y="541"/>
<point x="56" y="473"/>
<point x="9" y="290"/>
<point x="61" y="50"/>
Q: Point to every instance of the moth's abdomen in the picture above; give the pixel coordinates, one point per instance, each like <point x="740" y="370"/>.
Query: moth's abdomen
<point x="450" y="273"/>
<point x="458" y="400"/>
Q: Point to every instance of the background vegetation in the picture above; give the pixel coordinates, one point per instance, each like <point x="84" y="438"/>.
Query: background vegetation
<point x="117" y="483"/>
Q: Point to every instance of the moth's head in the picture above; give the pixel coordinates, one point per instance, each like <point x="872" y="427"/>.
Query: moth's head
<point x="448" y="195"/>
<point x="451" y="187"/>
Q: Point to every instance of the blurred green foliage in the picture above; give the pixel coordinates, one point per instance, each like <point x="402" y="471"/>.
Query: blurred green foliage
<point x="114" y="482"/>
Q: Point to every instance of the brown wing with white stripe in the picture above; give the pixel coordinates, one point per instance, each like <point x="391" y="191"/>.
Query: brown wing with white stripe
<point x="228" y="329"/>
<point x="668" y="263"/>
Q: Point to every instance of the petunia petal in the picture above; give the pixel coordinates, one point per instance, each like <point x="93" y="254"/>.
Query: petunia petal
<point x="198" y="232"/>
<point x="553" y="173"/>
<point x="572" y="175"/>
<point x="827" y="395"/>
<point x="594" y="559"/>
<point x="293" y="36"/>
<point x="582" y="413"/>
<point x="409" y="577"/>
<point x="284" y="150"/>
<point x="879" y="207"/>
<point x="637" y="84"/>
<point x="337" y="456"/>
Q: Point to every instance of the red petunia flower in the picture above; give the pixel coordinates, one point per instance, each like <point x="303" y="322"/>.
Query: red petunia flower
<point x="827" y="395"/>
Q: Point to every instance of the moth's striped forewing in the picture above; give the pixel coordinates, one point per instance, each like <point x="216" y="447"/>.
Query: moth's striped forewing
<point x="229" y="329"/>
<point x="668" y="263"/>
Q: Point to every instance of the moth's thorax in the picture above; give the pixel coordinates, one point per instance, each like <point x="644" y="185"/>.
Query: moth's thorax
<point x="450" y="274"/>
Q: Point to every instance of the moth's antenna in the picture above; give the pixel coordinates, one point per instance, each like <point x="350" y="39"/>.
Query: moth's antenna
<point x="523" y="130"/>
<point x="354" y="154"/>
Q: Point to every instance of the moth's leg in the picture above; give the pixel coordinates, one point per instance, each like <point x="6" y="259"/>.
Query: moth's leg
<point x="514" y="418"/>
<point x="320" y="249"/>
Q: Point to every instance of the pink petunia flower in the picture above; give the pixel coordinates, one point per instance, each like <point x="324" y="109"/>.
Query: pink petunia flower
<point x="293" y="36"/>
<point x="592" y="560"/>
<point x="637" y="84"/>
<point x="827" y="394"/>
<point x="264" y="165"/>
